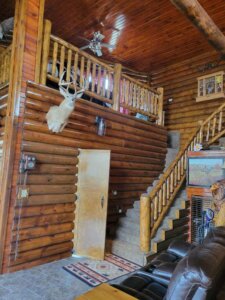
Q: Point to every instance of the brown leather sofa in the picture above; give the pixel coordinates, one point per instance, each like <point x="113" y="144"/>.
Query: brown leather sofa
<point x="183" y="272"/>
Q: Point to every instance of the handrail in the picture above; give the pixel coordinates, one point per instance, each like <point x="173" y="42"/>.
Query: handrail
<point x="5" y="59"/>
<point x="162" y="195"/>
<point x="100" y="80"/>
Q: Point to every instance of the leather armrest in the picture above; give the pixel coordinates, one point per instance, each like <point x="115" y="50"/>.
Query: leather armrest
<point x="165" y="270"/>
<point x="157" y="278"/>
<point x="180" y="248"/>
<point x="132" y="292"/>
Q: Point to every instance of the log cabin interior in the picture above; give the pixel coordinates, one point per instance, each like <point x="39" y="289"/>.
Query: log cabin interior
<point x="112" y="149"/>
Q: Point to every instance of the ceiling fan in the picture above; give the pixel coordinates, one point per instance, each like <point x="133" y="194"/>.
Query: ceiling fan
<point x="96" y="44"/>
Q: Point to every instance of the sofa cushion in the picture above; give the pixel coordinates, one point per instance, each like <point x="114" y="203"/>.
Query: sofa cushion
<point x="180" y="248"/>
<point x="202" y="269"/>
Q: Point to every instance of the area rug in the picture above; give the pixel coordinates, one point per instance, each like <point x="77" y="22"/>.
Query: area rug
<point x="95" y="272"/>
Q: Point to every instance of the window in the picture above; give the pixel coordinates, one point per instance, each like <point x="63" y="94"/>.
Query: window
<point x="210" y="87"/>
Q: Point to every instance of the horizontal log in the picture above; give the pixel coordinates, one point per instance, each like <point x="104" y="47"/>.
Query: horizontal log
<point x="54" y="169"/>
<point x="43" y="220"/>
<point x="48" y="199"/>
<point x="31" y="233"/>
<point x="49" y="149"/>
<point x="28" y="256"/>
<point x="51" y="179"/>
<point x="51" y="189"/>
<point x="41" y="242"/>
<point x="43" y="210"/>
<point x="7" y="268"/>
<point x="54" y="159"/>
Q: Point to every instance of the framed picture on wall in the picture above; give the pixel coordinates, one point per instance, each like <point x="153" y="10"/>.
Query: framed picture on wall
<point x="210" y="87"/>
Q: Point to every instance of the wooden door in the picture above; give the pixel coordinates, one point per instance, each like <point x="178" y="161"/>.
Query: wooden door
<point x="92" y="202"/>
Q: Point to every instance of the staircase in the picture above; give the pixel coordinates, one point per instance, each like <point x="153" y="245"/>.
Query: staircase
<point x="127" y="241"/>
<point x="167" y="206"/>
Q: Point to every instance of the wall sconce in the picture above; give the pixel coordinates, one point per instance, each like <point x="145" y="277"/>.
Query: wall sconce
<point x="101" y="126"/>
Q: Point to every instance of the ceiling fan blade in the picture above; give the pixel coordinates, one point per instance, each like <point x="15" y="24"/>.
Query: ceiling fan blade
<point x="99" y="52"/>
<point x="84" y="47"/>
<point x="83" y="38"/>
<point x="108" y="46"/>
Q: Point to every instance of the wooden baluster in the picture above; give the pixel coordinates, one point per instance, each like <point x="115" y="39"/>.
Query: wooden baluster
<point x="208" y="132"/>
<point x="62" y="60"/>
<point x="109" y="84"/>
<point x="185" y="160"/>
<point x="93" y="77"/>
<point x="75" y="66"/>
<point x="88" y="74"/>
<point x="160" y="201"/>
<point x="175" y="175"/>
<point x="171" y="182"/>
<point x="131" y="94"/>
<point x="99" y="80"/>
<point x="182" y="165"/>
<point x="178" y="170"/>
<point x="155" y="208"/>
<point x="103" y="82"/>
<point x="127" y="93"/>
<point x="116" y="86"/>
<point x="164" y="193"/>
<point x="145" y="223"/>
<point x="82" y="71"/>
<point x="122" y="91"/>
<point x="167" y="188"/>
<point x="68" y="66"/>
<point x="214" y="126"/>
<point x="135" y="96"/>
<point x="220" y="121"/>
<point x="54" y="59"/>
<point x="152" y="214"/>
<point x="138" y="97"/>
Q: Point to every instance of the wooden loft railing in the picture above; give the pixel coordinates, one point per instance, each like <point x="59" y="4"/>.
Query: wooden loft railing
<point x="5" y="58"/>
<point x="101" y="81"/>
<point x="154" y="206"/>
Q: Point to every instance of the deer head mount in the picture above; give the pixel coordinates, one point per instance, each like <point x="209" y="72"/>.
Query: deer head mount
<point x="57" y="116"/>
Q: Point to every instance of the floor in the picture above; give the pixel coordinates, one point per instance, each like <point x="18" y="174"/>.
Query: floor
<point x="46" y="282"/>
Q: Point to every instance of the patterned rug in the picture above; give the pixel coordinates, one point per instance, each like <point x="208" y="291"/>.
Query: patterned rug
<point x="95" y="272"/>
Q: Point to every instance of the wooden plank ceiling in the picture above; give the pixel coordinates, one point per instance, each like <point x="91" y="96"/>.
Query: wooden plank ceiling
<point x="148" y="34"/>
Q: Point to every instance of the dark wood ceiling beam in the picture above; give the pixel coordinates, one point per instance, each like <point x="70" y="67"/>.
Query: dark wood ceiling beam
<point x="193" y="10"/>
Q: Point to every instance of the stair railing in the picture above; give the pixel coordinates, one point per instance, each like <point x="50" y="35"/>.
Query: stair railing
<point x="100" y="80"/>
<point x="154" y="206"/>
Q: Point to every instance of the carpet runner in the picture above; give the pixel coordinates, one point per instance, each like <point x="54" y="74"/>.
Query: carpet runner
<point x="95" y="272"/>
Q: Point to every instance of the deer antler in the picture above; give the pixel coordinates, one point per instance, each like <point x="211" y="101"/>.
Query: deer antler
<point x="57" y="117"/>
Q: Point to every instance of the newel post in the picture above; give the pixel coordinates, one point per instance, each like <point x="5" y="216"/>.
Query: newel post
<point x="145" y="223"/>
<point x="45" y="50"/>
<point x="160" y="106"/>
<point x="116" y="86"/>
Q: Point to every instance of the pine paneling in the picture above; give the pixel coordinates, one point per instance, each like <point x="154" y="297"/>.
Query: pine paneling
<point x="180" y="84"/>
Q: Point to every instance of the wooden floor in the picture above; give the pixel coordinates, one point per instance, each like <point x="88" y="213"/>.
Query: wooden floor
<point x="46" y="282"/>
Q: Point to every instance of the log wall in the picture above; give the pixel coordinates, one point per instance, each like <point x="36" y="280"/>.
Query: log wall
<point x="42" y="224"/>
<point x="180" y="84"/>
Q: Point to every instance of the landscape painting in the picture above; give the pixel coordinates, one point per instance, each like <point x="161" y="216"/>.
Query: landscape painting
<point x="205" y="171"/>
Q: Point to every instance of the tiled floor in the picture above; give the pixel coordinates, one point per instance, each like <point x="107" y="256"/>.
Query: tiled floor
<point x="46" y="282"/>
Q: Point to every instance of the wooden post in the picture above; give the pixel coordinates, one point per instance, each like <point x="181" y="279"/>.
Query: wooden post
<point x="25" y="35"/>
<point x="39" y="41"/>
<point x="145" y="213"/>
<point x="45" y="50"/>
<point x="116" y="86"/>
<point x="160" y="106"/>
<point x="199" y="17"/>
